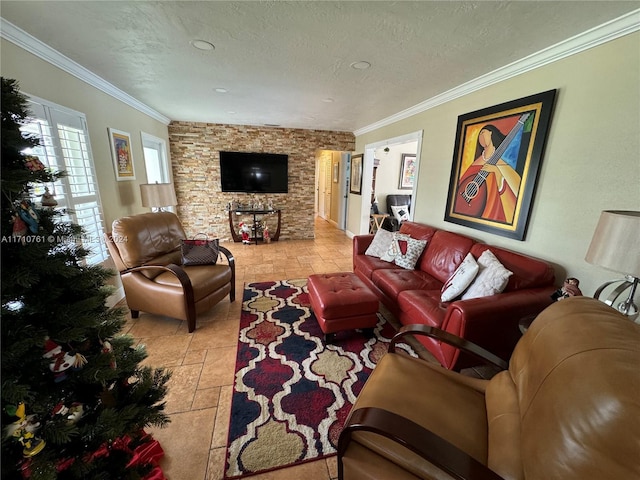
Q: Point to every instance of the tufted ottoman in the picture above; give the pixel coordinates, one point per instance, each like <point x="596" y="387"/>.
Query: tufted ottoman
<point x="341" y="301"/>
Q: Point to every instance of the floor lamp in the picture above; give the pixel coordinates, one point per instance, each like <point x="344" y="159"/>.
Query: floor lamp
<point x="616" y="246"/>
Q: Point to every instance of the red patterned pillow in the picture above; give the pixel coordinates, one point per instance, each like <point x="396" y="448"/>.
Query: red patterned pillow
<point x="406" y="250"/>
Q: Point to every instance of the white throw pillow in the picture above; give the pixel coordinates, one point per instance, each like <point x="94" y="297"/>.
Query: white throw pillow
<point x="461" y="279"/>
<point x="392" y="251"/>
<point x="400" y="212"/>
<point x="492" y="277"/>
<point x="409" y="250"/>
<point x="380" y="243"/>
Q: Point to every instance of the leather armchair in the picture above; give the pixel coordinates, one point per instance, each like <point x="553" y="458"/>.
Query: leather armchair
<point x="146" y="251"/>
<point x="566" y="408"/>
<point x="396" y="201"/>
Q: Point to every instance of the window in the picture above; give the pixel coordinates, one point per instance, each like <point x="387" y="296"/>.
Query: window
<point x="64" y="145"/>
<point x="155" y="159"/>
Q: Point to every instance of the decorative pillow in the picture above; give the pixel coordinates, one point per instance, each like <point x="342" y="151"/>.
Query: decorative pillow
<point x="392" y="251"/>
<point x="461" y="279"/>
<point x="492" y="277"/>
<point x="380" y="243"/>
<point x="400" y="212"/>
<point x="405" y="250"/>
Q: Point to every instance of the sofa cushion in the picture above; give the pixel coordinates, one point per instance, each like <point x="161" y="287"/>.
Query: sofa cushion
<point x="461" y="279"/>
<point x="492" y="277"/>
<point x="393" y="281"/>
<point x="528" y="272"/>
<point x="366" y="265"/>
<point x="444" y="254"/>
<point x="380" y="243"/>
<point x="422" y="306"/>
<point x="418" y="231"/>
<point x="147" y="236"/>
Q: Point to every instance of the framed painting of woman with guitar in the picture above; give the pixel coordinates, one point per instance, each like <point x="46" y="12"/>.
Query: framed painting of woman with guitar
<point x="496" y="160"/>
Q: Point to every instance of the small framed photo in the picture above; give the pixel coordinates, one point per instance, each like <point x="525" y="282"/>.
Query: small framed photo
<point x="120" y="143"/>
<point x="356" y="175"/>
<point x="407" y="171"/>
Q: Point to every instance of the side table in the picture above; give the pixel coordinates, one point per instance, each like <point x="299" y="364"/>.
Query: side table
<point x="378" y="220"/>
<point x="254" y="213"/>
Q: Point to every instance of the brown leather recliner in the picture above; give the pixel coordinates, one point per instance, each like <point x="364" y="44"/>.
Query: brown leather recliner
<point x="146" y="251"/>
<point x="567" y="408"/>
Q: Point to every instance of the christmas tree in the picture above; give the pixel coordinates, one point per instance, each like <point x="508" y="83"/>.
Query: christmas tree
<point x="75" y="399"/>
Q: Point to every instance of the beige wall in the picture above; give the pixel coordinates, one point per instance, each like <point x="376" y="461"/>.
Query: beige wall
<point x="40" y="78"/>
<point x="591" y="163"/>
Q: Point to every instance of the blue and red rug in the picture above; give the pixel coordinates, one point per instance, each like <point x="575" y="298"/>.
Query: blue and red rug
<point x="292" y="392"/>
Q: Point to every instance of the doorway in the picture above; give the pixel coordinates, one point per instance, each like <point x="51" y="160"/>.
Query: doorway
<point x="360" y="207"/>
<point x="332" y="186"/>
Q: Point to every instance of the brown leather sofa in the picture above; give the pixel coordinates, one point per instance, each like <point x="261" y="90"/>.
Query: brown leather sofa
<point x="567" y="408"/>
<point x="413" y="296"/>
<point x="146" y="251"/>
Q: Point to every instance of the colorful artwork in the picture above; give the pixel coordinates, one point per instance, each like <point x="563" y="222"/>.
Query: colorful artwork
<point x="121" y="152"/>
<point x="407" y="171"/>
<point x="496" y="161"/>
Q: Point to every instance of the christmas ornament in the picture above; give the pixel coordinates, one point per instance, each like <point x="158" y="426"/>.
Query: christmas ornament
<point x="28" y="215"/>
<point x="47" y="199"/>
<point x="107" y="349"/>
<point x="19" y="227"/>
<point x="60" y="360"/>
<point x="33" y="163"/>
<point x="22" y="430"/>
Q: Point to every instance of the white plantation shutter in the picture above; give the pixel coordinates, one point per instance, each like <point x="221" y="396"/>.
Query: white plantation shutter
<point x="65" y="146"/>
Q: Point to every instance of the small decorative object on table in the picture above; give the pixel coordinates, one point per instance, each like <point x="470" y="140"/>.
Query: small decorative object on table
<point x="569" y="289"/>
<point x="245" y="232"/>
<point x="265" y="234"/>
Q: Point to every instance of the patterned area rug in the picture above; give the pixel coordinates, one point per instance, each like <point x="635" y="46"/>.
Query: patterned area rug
<point x="292" y="392"/>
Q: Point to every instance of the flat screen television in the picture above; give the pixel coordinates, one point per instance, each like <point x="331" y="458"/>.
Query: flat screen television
<point x="254" y="172"/>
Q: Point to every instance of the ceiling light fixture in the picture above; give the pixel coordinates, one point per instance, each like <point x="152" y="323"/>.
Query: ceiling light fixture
<point x="361" y="65"/>
<point x="327" y="100"/>
<point x="221" y="90"/>
<point x="202" y="45"/>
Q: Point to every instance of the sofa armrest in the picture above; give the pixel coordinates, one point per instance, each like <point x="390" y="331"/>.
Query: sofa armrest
<point x="361" y="243"/>
<point x="414" y="437"/>
<point x="458" y="342"/>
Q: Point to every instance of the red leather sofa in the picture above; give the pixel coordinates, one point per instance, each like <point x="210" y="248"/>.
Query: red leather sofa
<point x="413" y="296"/>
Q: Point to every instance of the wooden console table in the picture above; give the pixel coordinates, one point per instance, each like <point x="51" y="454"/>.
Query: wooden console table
<point x="256" y="223"/>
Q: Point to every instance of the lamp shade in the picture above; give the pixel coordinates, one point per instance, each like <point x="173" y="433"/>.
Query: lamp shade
<point x="157" y="195"/>
<point x="616" y="242"/>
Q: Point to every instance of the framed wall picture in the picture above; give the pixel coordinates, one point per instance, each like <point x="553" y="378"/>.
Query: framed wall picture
<point x="356" y="174"/>
<point x="120" y="143"/>
<point x="407" y="171"/>
<point x="496" y="161"/>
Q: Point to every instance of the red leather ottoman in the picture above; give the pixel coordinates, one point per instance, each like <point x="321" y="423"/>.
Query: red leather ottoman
<point x="341" y="301"/>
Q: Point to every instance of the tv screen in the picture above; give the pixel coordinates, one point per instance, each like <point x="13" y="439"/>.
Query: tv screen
<point x="254" y="172"/>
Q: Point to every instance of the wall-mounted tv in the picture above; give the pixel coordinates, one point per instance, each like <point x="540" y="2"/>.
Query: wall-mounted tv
<point x="254" y="172"/>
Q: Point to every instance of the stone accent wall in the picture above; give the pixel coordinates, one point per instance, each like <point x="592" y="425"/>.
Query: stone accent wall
<point x="195" y="163"/>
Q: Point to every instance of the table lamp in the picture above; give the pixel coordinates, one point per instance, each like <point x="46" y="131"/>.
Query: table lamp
<point x="158" y="196"/>
<point x="616" y="246"/>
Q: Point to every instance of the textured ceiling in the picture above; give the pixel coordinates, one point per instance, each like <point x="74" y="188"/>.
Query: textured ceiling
<point x="288" y="63"/>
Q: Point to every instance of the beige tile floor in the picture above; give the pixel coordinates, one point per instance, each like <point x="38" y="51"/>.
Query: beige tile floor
<point x="203" y="362"/>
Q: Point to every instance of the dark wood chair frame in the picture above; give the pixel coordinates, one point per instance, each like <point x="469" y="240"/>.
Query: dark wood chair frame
<point x="419" y="440"/>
